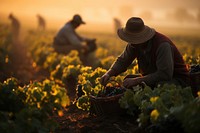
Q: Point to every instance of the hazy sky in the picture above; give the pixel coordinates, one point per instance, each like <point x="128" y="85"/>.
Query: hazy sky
<point x="97" y="11"/>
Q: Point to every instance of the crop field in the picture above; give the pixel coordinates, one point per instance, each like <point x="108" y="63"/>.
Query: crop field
<point x="42" y="91"/>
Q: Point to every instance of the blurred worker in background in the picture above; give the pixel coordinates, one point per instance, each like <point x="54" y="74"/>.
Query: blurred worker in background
<point x="15" y="27"/>
<point x="67" y="39"/>
<point x="117" y="24"/>
<point x="159" y="60"/>
<point x="41" y="23"/>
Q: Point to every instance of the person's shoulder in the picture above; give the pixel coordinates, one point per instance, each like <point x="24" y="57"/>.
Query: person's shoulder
<point x="67" y="26"/>
<point x="161" y="35"/>
<point x="164" y="46"/>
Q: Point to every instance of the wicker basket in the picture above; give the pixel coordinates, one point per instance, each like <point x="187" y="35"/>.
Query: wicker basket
<point x="106" y="105"/>
<point x="195" y="82"/>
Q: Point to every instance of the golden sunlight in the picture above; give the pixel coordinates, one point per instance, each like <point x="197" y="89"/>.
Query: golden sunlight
<point x="99" y="14"/>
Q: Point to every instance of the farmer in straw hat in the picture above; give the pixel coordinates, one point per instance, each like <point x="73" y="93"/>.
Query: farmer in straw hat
<point x="159" y="60"/>
<point x="67" y="39"/>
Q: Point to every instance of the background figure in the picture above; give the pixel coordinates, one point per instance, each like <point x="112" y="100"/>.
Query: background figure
<point x="15" y="26"/>
<point x="41" y="22"/>
<point x="68" y="39"/>
<point x="117" y="24"/>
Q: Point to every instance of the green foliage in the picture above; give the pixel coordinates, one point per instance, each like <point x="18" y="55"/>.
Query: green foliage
<point x="70" y="71"/>
<point x="127" y="102"/>
<point x="83" y="103"/>
<point x="106" y="63"/>
<point x="156" y="105"/>
<point x="9" y="100"/>
<point x="28" y="109"/>
<point x="188" y="115"/>
<point x="52" y="61"/>
<point x="69" y="66"/>
<point x="89" y="79"/>
<point x="191" y="60"/>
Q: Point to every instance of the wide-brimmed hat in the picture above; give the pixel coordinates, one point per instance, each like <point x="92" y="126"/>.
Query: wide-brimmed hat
<point x="77" y="18"/>
<point x="135" y="31"/>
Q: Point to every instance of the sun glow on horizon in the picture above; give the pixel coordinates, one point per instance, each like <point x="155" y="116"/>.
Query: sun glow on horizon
<point x="101" y="12"/>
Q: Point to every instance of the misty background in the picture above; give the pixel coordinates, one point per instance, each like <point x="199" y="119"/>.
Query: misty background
<point x="167" y="15"/>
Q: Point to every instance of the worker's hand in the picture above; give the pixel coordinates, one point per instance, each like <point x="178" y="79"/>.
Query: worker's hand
<point x="85" y="49"/>
<point x="130" y="82"/>
<point x="91" y="45"/>
<point x="104" y="79"/>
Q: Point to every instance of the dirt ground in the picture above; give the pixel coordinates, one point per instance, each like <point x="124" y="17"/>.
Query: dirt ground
<point x="74" y="120"/>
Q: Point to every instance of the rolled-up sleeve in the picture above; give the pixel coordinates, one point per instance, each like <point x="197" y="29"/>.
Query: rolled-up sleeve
<point x="164" y="64"/>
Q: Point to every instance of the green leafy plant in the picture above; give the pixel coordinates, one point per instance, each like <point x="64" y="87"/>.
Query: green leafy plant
<point x="29" y="108"/>
<point x="89" y="79"/>
<point x="155" y="105"/>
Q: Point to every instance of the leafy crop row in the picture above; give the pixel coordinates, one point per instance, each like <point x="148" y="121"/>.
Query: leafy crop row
<point x="153" y="108"/>
<point x="29" y="108"/>
<point x="167" y="108"/>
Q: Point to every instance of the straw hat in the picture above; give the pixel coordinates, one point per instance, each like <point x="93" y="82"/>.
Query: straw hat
<point x="135" y="31"/>
<point x="77" y="18"/>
